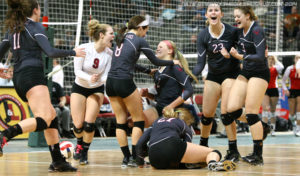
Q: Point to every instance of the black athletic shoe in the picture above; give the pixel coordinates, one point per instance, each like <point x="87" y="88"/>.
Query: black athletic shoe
<point x="266" y="129"/>
<point x="84" y="158"/>
<point x="61" y="166"/>
<point x="132" y="162"/>
<point x="2" y="143"/>
<point x="225" y="165"/>
<point x="232" y="156"/>
<point x="253" y="159"/>
<point x="125" y="162"/>
<point x="77" y="152"/>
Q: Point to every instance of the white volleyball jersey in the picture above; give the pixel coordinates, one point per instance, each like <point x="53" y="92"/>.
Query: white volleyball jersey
<point x="93" y="63"/>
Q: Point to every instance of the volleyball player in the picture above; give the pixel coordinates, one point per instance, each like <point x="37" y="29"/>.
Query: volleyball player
<point x="88" y="89"/>
<point x="250" y="86"/>
<point x="172" y="83"/>
<point x="123" y="94"/>
<point x="26" y="38"/>
<point x="214" y="42"/>
<point x="271" y="96"/>
<point x="293" y="94"/>
<point x="170" y="145"/>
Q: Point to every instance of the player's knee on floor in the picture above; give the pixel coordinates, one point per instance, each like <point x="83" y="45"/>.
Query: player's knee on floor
<point x="41" y="124"/>
<point x="77" y="130"/>
<point x="123" y="127"/>
<point x="252" y="119"/>
<point x="226" y="119"/>
<point x="139" y="124"/>
<point x="54" y="123"/>
<point x="218" y="152"/>
<point x="206" y="121"/>
<point x="235" y="114"/>
<point x="89" y="127"/>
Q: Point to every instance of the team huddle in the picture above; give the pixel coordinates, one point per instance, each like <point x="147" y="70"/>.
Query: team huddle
<point x="100" y="68"/>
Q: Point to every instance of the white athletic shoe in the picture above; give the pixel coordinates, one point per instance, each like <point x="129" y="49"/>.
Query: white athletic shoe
<point x="297" y="133"/>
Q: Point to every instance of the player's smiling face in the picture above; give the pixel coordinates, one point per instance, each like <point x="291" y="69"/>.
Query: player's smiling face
<point x="240" y="18"/>
<point x="213" y="14"/>
<point x="162" y="50"/>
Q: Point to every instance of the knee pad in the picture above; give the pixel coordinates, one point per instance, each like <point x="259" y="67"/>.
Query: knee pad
<point x="54" y="123"/>
<point x="226" y="119"/>
<point x="77" y="130"/>
<point x="235" y="114"/>
<point x="89" y="127"/>
<point x="206" y="121"/>
<point x="122" y="127"/>
<point x="41" y="124"/>
<point x="219" y="153"/>
<point x="139" y="124"/>
<point x="252" y="119"/>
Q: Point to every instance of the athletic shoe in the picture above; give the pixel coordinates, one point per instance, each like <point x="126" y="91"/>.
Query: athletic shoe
<point x="225" y="165"/>
<point x="232" y="156"/>
<point x="253" y="159"/>
<point x="266" y="129"/>
<point x="2" y="143"/>
<point x="297" y="133"/>
<point x="84" y="158"/>
<point x="125" y="162"/>
<point x="78" y="151"/>
<point x="132" y="162"/>
<point x="61" y="166"/>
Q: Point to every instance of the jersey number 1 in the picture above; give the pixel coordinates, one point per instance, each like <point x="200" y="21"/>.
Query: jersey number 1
<point x="16" y="41"/>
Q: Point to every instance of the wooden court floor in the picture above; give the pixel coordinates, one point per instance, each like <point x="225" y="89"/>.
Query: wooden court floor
<point x="279" y="160"/>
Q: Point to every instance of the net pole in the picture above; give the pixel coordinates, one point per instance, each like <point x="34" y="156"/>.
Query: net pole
<point x="78" y="31"/>
<point x="278" y="25"/>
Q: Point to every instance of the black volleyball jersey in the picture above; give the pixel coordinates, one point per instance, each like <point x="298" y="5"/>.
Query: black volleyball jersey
<point x="171" y="83"/>
<point x="125" y="57"/>
<point x="27" y="46"/>
<point x="253" y="45"/>
<point x="209" y="46"/>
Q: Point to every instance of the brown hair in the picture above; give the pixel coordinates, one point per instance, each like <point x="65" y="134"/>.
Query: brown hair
<point x="182" y="113"/>
<point x="18" y="11"/>
<point x="248" y="10"/>
<point x="95" y="28"/>
<point x="132" y="24"/>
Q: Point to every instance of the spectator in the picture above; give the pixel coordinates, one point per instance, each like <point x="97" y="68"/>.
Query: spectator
<point x="8" y="82"/>
<point x="294" y="16"/>
<point x="59" y="76"/>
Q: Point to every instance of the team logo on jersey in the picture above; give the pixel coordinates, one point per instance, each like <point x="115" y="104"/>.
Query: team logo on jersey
<point x="11" y="111"/>
<point x="256" y="32"/>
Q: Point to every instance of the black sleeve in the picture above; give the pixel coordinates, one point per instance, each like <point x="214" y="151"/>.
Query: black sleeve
<point x="142" y="69"/>
<point x="184" y="80"/>
<point x="260" y="45"/>
<point x="186" y="132"/>
<point x="141" y="147"/>
<point x="43" y="42"/>
<point x="201" y="52"/>
<point x="4" y="46"/>
<point x="150" y="55"/>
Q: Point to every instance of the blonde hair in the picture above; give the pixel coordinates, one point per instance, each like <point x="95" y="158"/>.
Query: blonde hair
<point x="95" y="28"/>
<point x="177" y="55"/>
<point x="248" y="10"/>
<point x="181" y="113"/>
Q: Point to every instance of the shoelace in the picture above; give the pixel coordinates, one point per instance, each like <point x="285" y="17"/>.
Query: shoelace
<point x="78" y="148"/>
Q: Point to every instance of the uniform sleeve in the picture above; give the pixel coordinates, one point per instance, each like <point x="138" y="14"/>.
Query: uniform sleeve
<point x="285" y="77"/>
<point x="279" y="67"/>
<point x="142" y="69"/>
<point x="4" y="46"/>
<point x="184" y="80"/>
<point x="186" y="132"/>
<point x="142" y="148"/>
<point x="201" y="52"/>
<point x="78" y="64"/>
<point x="260" y="45"/>
<point x="43" y="42"/>
<point x="150" y="55"/>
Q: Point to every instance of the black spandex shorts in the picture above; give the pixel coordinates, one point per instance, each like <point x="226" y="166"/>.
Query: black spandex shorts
<point x="167" y="154"/>
<point x="264" y="74"/>
<point x="294" y="93"/>
<point x="85" y="91"/>
<point x="219" y="78"/>
<point x="272" y="92"/>
<point x="27" y="78"/>
<point x="119" y="87"/>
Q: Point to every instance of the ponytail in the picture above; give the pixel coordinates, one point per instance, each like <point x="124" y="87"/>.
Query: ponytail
<point x="120" y="36"/>
<point x="185" y="65"/>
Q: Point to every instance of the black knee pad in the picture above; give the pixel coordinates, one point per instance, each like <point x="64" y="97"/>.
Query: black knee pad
<point x="54" y="123"/>
<point x="226" y="119"/>
<point x="219" y="153"/>
<point x="122" y="127"/>
<point x="206" y="121"/>
<point x="89" y="127"/>
<point x="41" y="124"/>
<point x="139" y="124"/>
<point x="252" y="119"/>
<point x="77" y="130"/>
<point x="235" y="114"/>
